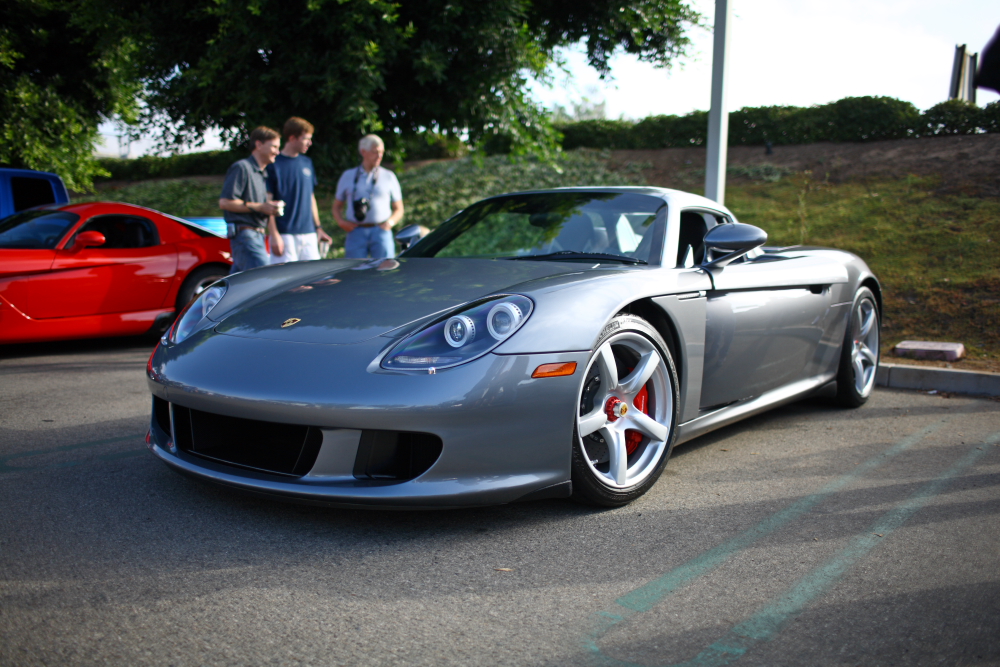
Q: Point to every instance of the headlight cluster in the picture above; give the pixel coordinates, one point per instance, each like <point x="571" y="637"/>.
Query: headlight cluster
<point x="192" y="317"/>
<point x="462" y="336"/>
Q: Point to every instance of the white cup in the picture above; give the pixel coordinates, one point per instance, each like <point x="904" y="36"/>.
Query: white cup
<point x="281" y="208"/>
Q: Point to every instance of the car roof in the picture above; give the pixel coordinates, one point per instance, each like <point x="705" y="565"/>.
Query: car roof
<point x="130" y="207"/>
<point x="8" y="171"/>
<point x="671" y="196"/>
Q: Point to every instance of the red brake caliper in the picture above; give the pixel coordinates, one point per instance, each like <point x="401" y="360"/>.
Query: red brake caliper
<point x="641" y="403"/>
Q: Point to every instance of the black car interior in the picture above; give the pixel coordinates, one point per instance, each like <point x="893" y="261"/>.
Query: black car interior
<point x="123" y="231"/>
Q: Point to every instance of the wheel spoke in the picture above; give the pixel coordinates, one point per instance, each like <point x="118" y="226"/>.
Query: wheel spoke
<point x="595" y="420"/>
<point x="867" y="322"/>
<point x="608" y="367"/>
<point x="859" y="373"/>
<point x="648" y="426"/>
<point x="617" y="454"/>
<point x="639" y="376"/>
<point x="866" y="352"/>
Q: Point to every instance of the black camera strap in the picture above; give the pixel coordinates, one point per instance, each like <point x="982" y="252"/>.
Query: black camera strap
<point x="371" y="190"/>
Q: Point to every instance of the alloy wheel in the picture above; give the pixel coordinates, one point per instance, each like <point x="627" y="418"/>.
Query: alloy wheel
<point x="626" y="410"/>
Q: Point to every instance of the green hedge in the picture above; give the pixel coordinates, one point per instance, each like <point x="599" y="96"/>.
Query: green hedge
<point x="849" y="119"/>
<point x="205" y="163"/>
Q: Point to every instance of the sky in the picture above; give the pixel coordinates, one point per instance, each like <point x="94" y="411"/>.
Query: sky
<point x="800" y="53"/>
<point x="781" y="52"/>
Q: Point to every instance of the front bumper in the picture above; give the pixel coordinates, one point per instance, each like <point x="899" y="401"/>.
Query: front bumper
<point x="504" y="435"/>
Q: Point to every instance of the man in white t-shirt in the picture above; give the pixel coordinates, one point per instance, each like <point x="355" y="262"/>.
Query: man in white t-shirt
<point x="368" y="203"/>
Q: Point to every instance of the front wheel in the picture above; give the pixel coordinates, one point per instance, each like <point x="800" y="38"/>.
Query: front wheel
<point x="627" y="417"/>
<point x="860" y="351"/>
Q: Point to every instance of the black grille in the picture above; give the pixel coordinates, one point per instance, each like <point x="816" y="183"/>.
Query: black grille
<point x="396" y="455"/>
<point x="286" y="449"/>
<point x="161" y="413"/>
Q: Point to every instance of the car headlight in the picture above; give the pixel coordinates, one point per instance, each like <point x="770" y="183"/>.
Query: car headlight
<point x="461" y="336"/>
<point x="192" y="317"/>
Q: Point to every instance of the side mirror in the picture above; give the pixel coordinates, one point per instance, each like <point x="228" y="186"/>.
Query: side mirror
<point x="733" y="240"/>
<point x="89" y="239"/>
<point x="410" y="234"/>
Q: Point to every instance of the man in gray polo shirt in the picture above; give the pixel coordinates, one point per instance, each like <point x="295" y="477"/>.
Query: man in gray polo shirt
<point x="247" y="204"/>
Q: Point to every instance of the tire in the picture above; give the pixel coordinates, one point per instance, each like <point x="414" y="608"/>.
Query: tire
<point x="196" y="282"/>
<point x="859" y="355"/>
<point x="612" y="476"/>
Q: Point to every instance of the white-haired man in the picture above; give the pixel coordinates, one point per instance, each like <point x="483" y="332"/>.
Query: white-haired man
<point x="368" y="203"/>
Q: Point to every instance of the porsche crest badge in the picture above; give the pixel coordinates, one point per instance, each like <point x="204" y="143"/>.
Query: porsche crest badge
<point x="289" y="322"/>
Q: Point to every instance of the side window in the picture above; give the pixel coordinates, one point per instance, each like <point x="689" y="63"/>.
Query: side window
<point x="124" y="231"/>
<point x="690" y="248"/>
<point x="690" y="243"/>
<point x="30" y="192"/>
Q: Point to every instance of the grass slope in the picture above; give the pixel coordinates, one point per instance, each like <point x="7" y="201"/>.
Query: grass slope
<point x="935" y="254"/>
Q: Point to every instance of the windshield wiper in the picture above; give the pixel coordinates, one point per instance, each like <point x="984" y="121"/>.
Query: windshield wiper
<point x="573" y="254"/>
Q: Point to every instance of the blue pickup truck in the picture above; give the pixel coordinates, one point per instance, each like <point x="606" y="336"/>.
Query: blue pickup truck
<point x="23" y="188"/>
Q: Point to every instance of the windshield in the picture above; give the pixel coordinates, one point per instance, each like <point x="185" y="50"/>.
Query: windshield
<point x="35" y="230"/>
<point x="628" y="226"/>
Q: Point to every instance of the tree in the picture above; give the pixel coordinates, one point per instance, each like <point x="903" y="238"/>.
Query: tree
<point x="458" y="67"/>
<point x="60" y="76"/>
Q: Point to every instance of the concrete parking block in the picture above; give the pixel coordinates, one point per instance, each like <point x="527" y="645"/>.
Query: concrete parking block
<point x="920" y="349"/>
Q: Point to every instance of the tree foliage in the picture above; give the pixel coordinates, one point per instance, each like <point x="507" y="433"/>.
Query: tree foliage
<point x="60" y="75"/>
<point x="457" y="67"/>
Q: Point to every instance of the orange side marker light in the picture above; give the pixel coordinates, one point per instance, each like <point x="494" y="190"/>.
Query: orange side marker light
<point x="555" y="370"/>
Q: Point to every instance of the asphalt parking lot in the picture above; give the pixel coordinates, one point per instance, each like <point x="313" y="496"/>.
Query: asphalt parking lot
<point x="810" y="535"/>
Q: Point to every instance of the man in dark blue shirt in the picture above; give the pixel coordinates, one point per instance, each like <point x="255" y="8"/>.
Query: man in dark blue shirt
<point x="296" y="231"/>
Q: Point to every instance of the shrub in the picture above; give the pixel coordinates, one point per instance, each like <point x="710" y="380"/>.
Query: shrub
<point x="953" y="117"/>
<point x="425" y="146"/>
<point x="610" y="134"/>
<point x="989" y="117"/>
<point x="871" y="119"/>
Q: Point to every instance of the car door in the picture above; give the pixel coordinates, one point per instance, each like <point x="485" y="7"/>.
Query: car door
<point x="768" y="321"/>
<point x="131" y="272"/>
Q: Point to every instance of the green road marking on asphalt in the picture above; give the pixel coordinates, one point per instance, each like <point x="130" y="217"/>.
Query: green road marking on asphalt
<point x="646" y="597"/>
<point x="771" y="618"/>
<point x="4" y="468"/>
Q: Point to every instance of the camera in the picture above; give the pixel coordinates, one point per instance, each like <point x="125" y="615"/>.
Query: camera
<point x="360" y="207"/>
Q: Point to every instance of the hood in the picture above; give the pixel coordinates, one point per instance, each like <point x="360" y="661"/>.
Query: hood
<point x="354" y="304"/>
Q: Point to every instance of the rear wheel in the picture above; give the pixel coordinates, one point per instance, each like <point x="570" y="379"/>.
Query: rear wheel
<point x="196" y="283"/>
<point x="626" y="420"/>
<point x="860" y="352"/>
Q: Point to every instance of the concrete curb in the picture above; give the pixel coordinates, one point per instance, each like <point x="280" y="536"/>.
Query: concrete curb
<point x="899" y="376"/>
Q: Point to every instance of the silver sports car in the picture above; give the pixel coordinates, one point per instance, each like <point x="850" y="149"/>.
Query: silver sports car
<point x="536" y="345"/>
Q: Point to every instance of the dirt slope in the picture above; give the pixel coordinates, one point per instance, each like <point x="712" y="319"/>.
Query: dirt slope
<point x="970" y="163"/>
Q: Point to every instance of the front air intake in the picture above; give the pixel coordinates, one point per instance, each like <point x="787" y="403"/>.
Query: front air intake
<point x="395" y="455"/>
<point x="285" y="449"/>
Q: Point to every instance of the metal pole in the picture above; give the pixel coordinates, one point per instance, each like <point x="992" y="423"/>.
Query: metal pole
<point x="718" y="115"/>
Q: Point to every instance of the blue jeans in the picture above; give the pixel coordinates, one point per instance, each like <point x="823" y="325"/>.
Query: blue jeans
<point x="248" y="250"/>
<point x="373" y="241"/>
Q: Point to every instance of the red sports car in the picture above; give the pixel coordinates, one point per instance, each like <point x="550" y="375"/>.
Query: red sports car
<point x="100" y="269"/>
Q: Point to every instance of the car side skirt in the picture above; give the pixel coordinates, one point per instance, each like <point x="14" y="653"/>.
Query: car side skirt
<point x="16" y="327"/>
<point x="743" y="409"/>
